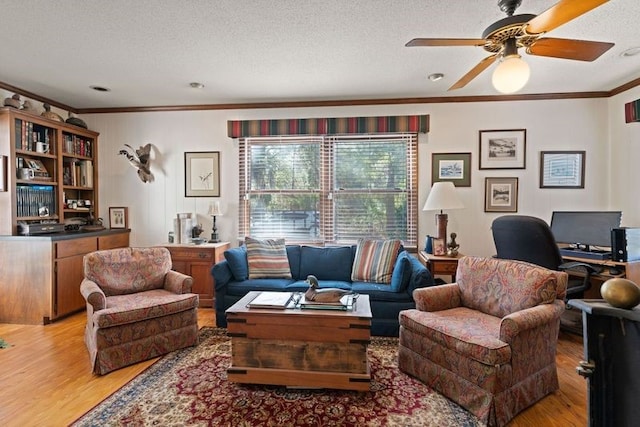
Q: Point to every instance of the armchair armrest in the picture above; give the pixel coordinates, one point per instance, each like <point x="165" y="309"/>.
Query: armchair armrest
<point x="436" y="298"/>
<point x="588" y="271"/>
<point x="515" y="323"/>
<point x="93" y="294"/>
<point x="178" y="283"/>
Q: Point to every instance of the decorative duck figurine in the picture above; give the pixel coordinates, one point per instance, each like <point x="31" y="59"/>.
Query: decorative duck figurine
<point x="13" y="102"/>
<point x="315" y="294"/>
<point x="48" y="114"/>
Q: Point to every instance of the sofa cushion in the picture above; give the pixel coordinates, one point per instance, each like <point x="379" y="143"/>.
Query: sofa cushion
<point x="267" y="258"/>
<point x="242" y="288"/>
<point x="326" y="263"/>
<point x="375" y="260"/>
<point x="501" y="287"/>
<point x="237" y="259"/>
<point x="401" y="272"/>
<point x="303" y="285"/>
<point x="380" y="292"/>
<point x="293" y="253"/>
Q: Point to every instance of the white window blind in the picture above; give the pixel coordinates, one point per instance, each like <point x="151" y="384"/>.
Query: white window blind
<point x="331" y="190"/>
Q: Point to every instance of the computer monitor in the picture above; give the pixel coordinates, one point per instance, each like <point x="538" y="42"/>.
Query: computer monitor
<point x="586" y="230"/>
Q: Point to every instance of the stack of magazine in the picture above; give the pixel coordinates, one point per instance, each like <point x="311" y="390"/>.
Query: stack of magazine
<point x="283" y="300"/>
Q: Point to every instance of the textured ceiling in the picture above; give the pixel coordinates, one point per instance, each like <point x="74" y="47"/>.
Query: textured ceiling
<point x="255" y="51"/>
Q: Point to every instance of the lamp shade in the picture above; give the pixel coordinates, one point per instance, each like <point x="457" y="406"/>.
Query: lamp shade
<point x="443" y="196"/>
<point x="214" y="209"/>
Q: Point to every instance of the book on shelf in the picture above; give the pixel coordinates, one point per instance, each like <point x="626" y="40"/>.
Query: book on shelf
<point x="271" y="299"/>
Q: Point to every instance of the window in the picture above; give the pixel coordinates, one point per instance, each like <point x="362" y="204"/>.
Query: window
<point x="329" y="189"/>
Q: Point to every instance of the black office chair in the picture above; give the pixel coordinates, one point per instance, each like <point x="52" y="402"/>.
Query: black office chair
<point x="527" y="238"/>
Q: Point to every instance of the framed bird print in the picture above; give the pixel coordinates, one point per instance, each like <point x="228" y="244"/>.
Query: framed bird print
<point x="118" y="217"/>
<point x="202" y="174"/>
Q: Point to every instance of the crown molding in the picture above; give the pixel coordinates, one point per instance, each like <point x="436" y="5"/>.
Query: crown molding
<point x="329" y="103"/>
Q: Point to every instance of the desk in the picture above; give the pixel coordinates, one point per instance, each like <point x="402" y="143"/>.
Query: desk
<point x="440" y="265"/>
<point x="630" y="270"/>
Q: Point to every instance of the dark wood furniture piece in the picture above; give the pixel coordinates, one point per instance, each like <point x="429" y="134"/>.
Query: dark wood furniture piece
<point x="610" y="365"/>
<point x="41" y="275"/>
<point x="440" y="265"/>
<point x="196" y="261"/>
<point x="300" y="348"/>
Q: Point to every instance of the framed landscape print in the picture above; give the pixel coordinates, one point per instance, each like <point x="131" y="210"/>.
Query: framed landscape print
<point x="454" y="167"/>
<point x="202" y="174"/>
<point x="562" y="169"/>
<point x="501" y="195"/>
<point x="503" y="149"/>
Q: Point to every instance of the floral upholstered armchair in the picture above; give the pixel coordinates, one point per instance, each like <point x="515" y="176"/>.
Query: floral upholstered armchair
<point x="137" y="307"/>
<point x="488" y="341"/>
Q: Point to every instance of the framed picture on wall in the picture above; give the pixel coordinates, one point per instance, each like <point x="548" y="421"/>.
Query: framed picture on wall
<point x="503" y="149"/>
<point x="202" y="174"/>
<point x="562" y="169"/>
<point x="501" y="195"/>
<point x="118" y="217"/>
<point x="454" y="167"/>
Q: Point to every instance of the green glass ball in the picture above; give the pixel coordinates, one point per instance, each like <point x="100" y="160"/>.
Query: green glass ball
<point x="620" y="293"/>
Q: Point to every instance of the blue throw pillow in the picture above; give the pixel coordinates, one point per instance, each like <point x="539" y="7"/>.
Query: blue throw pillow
<point x="237" y="259"/>
<point x="401" y="272"/>
<point x="326" y="263"/>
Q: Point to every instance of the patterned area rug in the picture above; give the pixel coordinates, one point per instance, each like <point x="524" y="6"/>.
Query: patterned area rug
<point x="189" y="387"/>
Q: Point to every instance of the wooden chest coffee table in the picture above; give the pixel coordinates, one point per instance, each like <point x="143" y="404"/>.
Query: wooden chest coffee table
<point x="300" y="348"/>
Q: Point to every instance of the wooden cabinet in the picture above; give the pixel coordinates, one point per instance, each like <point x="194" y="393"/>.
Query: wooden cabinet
<point x="196" y="261"/>
<point x="51" y="170"/>
<point x="41" y="275"/>
<point x="440" y="265"/>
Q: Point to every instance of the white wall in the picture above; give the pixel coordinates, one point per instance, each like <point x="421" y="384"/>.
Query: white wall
<point x="580" y="124"/>
<point x="625" y="158"/>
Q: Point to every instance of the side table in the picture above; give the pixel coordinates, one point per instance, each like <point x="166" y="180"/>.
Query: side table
<point x="196" y="261"/>
<point x="440" y="265"/>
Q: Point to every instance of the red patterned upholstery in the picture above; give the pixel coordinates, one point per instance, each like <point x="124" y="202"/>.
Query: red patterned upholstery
<point x="487" y="342"/>
<point x="137" y="307"/>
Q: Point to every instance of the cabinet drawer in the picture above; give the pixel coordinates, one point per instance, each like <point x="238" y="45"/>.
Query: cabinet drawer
<point x="445" y="268"/>
<point x="76" y="247"/>
<point x="114" y="241"/>
<point x="191" y="254"/>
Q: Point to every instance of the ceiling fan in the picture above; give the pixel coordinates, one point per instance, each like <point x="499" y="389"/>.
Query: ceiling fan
<point x="504" y="37"/>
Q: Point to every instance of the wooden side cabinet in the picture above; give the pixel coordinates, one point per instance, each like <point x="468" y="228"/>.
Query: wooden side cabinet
<point x="440" y="265"/>
<point x="41" y="275"/>
<point x="196" y="261"/>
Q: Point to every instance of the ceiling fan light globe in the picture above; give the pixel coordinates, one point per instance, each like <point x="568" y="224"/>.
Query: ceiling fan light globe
<point x="511" y="75"/>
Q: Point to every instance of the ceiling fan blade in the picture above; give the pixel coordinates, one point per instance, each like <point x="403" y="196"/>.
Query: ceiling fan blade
<point x="482" y="65"/>
<point x="579" y="50"/>
<point x="446" y="42"/>
<point x="560" y="13"/>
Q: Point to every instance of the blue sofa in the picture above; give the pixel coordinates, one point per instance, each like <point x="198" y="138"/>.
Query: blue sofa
<point x="332" y="266"/>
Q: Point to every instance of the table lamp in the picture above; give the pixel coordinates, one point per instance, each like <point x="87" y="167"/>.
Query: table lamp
<point x="442" y="196"/>
<point x="214" y="211"/>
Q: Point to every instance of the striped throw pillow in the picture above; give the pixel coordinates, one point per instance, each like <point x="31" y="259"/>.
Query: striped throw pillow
<point x="267" y="258"/>
<point x="375" y="260"/>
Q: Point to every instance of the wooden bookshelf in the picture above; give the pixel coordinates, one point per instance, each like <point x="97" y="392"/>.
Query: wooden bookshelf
<point x="64" y="160"/>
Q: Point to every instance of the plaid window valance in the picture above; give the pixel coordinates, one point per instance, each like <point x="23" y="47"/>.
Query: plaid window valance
<point x="327" y="126"/>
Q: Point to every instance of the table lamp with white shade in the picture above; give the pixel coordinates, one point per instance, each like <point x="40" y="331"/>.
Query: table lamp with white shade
<point x="214" y="211"/>
<point x="442" y="196"/>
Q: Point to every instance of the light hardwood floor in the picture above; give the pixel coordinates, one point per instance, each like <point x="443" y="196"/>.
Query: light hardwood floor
<point x="46" y="380"/>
